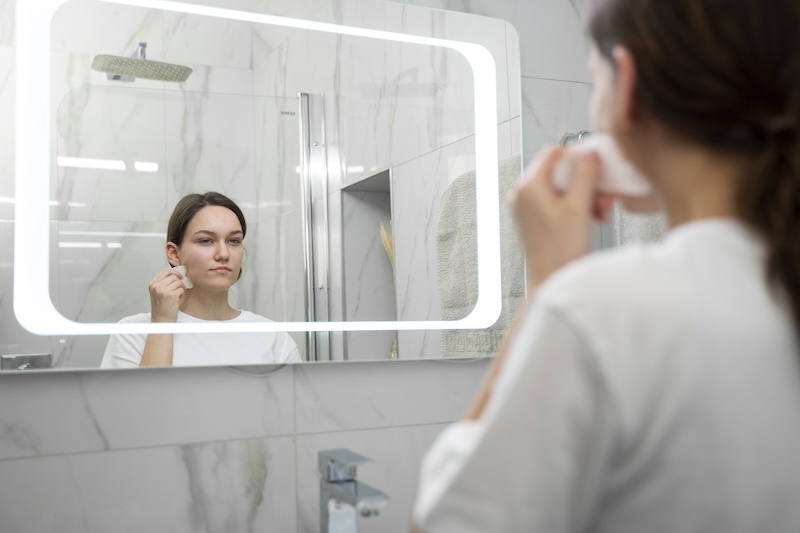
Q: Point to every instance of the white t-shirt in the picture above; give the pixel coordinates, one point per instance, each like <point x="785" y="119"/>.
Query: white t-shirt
<point x="204" y="349"/>
<point x="650" y="389"/>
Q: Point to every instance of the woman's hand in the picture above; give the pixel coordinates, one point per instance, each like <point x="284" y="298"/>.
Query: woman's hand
<point x="166" y="291"/>
<point x="555" y="226"/>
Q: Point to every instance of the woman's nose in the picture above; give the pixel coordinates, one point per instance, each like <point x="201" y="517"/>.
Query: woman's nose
<point x="222" y="251"/>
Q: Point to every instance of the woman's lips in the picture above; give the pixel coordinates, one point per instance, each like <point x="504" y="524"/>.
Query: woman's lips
<point x="221" y="269"/>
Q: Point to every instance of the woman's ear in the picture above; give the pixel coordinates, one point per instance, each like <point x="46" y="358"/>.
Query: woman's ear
<point x="172" y="254"/>
<point x="625" y="85"/>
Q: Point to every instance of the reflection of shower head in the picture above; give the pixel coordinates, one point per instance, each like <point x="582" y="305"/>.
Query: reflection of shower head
<point x="139" y="66"/>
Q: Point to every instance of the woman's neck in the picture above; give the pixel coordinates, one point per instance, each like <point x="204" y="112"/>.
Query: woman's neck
<point x="207" y="305"/>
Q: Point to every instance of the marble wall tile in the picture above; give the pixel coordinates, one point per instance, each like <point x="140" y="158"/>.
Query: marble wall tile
<point x="7" y="132"/>
<point x="550" y="109"/>
<point x="278" y="155"/>
<point x="206" y="40"/>
<point x="553" y="38"/>
<point x="120" y="409"/>
<point x="105" y="283"/>
<point x="217" y="80"/>
<point x="210" y="146"/>
<point x="410" y="19"/>
<point x="417" y="189"/>
<point x="111" y="123"/>
<point x="96" y="27"/>
<point x="235" y="486"/>
<point x="551" y="32"/>
<point x="13" y="338"/>
<point x="336" y="273"/>
<point x="396" y="454"/>
<point x="277" y="265"/>
<point x="7" y="29"/>
<point x="267" y="37"/>
<point x="306" y="62"/>
<point x="368" y="395"/>
<point x="369" y="290"/>
<point x="513" y="54"/>
<point x="429" y="98"/>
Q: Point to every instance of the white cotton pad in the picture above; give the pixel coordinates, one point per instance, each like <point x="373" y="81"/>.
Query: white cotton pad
<point x="617" y="175"/>
<point x="186" y="281"/>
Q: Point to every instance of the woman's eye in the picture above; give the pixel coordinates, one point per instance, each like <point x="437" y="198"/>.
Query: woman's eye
<point x="204" y="241"/>
<point x="236" y="241"/>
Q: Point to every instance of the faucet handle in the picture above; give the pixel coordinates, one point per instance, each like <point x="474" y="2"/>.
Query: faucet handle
<point x="340" y="464"/>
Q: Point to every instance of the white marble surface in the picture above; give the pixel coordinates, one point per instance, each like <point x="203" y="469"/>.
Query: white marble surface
<point x="552" y="108"/>
<point x="278" y="155"/>
<point x="115" y="123"/>
<point x="235" y="486"/>
<point x="210" y="146"/>
<point x="74" y="28"/>
<point x="211" y="450"/>
<point x="7" y="99"/>
<point x="370" y="395"/>
<point x="13" y="338"/>
<point x="276" y="266"/>
<point x="417" y="189"/>
<point x="116" y="410"/>
<point x="7" y="29"/>
<point x="206" y="40"/>
<point x="102" y="284"/>
<point x="369" y="290"/>
<point x="551" y="32"/>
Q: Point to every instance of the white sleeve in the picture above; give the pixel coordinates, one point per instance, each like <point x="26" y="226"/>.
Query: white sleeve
<point x="123" y="351"/>
<point x="535" y="460"/>
<point x="289" y="351"/>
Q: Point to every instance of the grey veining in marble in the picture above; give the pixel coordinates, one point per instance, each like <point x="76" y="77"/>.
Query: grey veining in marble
<point x="551" y="32"/>
<point x="346" y="397"/>
<point x="113" y="410"/>
<point x="236" y="486"/>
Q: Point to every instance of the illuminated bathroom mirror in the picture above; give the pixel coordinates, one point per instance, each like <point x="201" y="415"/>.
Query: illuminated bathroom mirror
<point x="350" y="149"/>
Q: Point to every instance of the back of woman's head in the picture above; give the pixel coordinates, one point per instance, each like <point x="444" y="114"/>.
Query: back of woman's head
<point x="188" y="206"/>
<point x="726" y="74"/>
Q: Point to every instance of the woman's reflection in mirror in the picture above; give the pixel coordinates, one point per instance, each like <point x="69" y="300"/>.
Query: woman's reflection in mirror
<point x="205" y="239"/>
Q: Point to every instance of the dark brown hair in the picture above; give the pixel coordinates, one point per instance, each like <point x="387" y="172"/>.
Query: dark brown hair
<point x="725" y="73"/>
<point x="188" y="206"/>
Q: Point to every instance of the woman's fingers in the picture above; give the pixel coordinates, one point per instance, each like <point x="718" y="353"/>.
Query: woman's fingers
<point x="581" y="190"/>
<point x="166" y="292"/>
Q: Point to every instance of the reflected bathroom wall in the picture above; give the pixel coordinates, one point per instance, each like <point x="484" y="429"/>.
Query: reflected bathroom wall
<point x="402" y="107"/>
<point x="233" y="127"/>
<point x="210" y="133"/>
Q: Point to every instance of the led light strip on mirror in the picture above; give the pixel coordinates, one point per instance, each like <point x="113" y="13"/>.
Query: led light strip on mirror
<point x="33" y="306"/>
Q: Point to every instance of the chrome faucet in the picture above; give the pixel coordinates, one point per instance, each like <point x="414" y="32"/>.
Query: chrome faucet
<point x="337" y="470"/>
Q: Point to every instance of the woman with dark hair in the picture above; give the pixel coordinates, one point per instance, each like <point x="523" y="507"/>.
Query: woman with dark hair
<point x="205" y="238"/>
<point x="654" y="388"/>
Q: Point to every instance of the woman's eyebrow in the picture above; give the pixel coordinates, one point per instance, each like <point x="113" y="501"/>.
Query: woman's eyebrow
<point x="209" y="232"/>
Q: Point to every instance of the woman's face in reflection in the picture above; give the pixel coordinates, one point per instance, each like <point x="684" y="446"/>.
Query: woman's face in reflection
<point x="212" y="248"/>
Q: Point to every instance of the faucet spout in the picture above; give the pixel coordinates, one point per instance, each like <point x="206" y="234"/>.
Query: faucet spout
<point x="367" y="500"/>
<point x="338" y="483"/>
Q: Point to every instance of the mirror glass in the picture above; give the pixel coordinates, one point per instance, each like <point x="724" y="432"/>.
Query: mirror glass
<point x="353" y="161"/>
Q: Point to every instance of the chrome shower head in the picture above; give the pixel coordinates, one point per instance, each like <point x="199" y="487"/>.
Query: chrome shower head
<point x="140" y="67"/>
